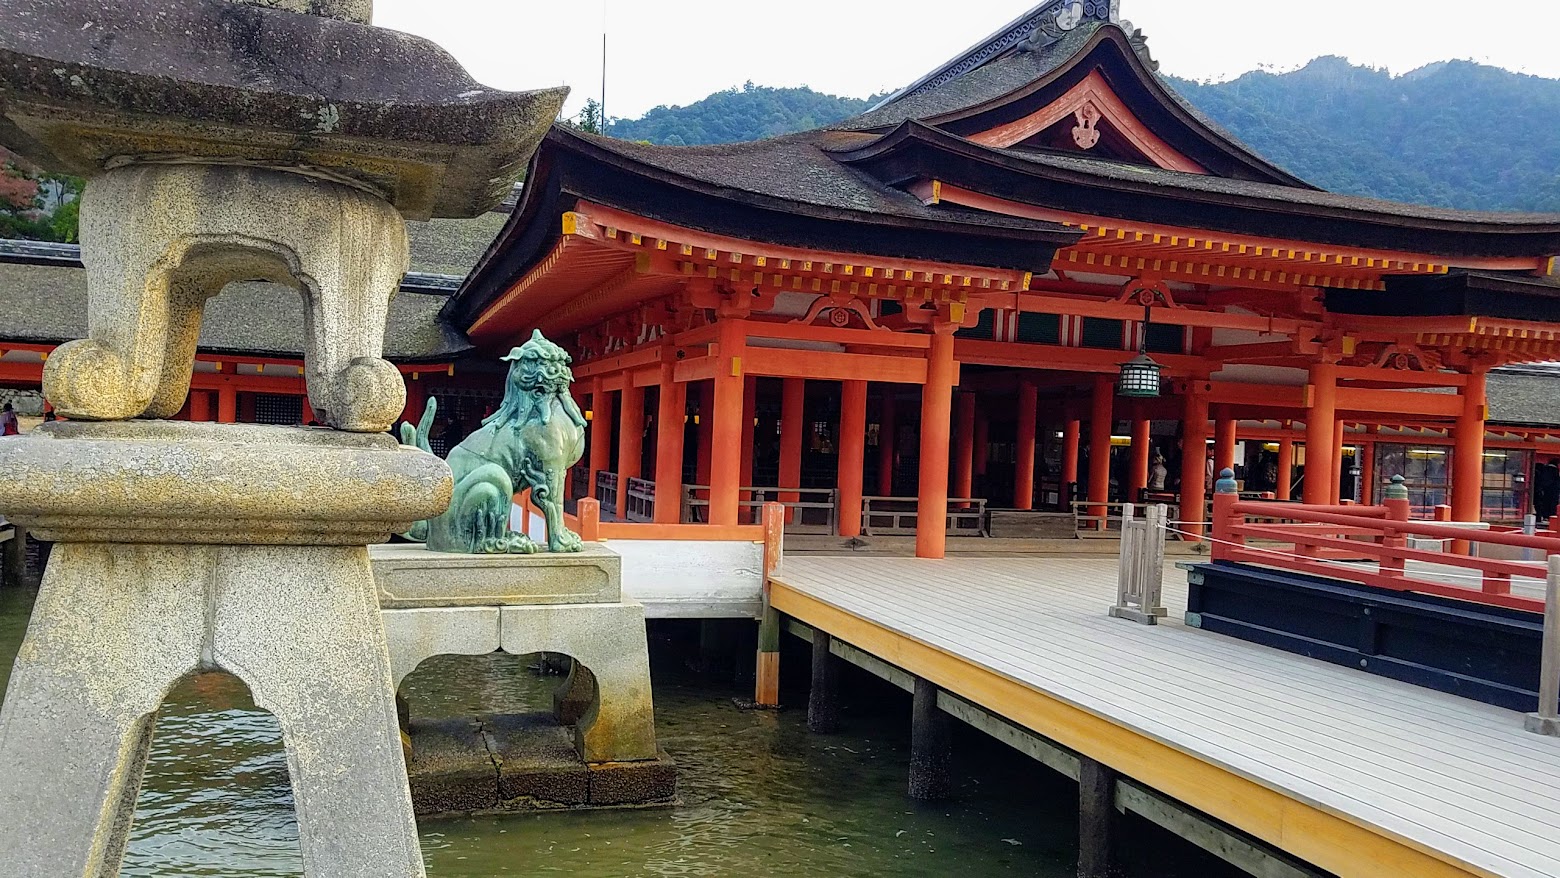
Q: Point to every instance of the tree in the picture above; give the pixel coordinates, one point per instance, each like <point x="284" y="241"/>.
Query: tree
<point x="590" y="117"/>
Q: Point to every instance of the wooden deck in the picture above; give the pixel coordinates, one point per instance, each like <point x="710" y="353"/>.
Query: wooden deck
<point x="1357" y="774"/>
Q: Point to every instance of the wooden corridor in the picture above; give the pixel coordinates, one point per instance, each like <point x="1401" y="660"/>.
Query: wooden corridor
<point x="1357" y="774"/>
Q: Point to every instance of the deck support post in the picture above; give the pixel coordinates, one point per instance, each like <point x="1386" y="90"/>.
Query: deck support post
<point x="670" y="427"/>
<point x="852" y="458"/>
<point x="931" y="745"/>
<point x="931" y="523"/>
<point x="13" y="568"/>
<point x="1321" y="410"/>
<point x="885" y="479"/>
<point x="793" y="402"/>
<point x="1096" y="817"/>
<point x="766" y="686"/>
<point x="726" y="428"/>
<point x="1024" y="456"/>
<point x="823" y="699"/>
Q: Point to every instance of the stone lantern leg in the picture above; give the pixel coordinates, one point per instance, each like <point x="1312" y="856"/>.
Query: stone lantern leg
<point x="226" y="140"/>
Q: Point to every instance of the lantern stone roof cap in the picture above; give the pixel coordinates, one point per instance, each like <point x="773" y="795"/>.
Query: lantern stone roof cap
<point x="91" y="84"/>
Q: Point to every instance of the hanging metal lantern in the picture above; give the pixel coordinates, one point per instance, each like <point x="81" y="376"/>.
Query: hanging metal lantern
<point x="1139" y="378"/>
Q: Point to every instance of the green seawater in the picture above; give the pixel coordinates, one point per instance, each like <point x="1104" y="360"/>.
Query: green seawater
<point x="759" y="794"/>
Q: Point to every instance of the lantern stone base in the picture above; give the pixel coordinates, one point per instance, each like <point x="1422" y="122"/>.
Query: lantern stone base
<point x="189" y="547"/>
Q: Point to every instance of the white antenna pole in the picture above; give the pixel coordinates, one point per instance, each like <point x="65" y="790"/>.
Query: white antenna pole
<point x="603" y="67"/>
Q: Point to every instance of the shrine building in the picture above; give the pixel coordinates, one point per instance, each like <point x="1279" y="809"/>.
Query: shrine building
<point x="1032" y="277"/>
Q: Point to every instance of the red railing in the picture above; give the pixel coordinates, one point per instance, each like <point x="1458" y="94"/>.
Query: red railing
<point x="1370" y="545"/>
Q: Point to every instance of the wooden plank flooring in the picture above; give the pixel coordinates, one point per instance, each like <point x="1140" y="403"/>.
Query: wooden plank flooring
<point x="1431" y="771"/>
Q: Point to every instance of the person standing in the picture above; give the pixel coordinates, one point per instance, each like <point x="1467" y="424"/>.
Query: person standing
<point x="9" y="425"/>
<point x="1546" y="489"/>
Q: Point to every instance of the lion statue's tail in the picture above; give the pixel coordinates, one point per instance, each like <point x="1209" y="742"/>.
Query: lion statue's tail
<point x="417" y="437"/>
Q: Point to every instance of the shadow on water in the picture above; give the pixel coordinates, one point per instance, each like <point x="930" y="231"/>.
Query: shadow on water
<point x="760" y="795"/>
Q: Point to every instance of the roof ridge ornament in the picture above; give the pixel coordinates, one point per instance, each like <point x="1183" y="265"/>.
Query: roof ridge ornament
<point x="1036" y="30"/>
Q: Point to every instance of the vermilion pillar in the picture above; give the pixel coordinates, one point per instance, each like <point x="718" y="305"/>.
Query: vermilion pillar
<point x="200" y="405"/>
<point x="1338" y="473"/>
<point x="1365" y="456"/>
<point x="1224" y="444"/>
<point x="1100" y="414"/>
<point x="931" y="526"/>
<point x="885" y="485"/>
<point x="600" y="435"/>
<point x="1286" y="466"/>
<point x="1142" y="430"/>
<point x="227" y="404"/>
<point x="305" y="411"/>
<point x="982" y="441"/>
<point x="669" y="427"/>
<point x="1024" y="455"/>
<point x="1072" y="437"/>
<point x="416" y="399"/>
<point x="852" y="458"/>
<point x="747" y="514"/>
<point x="631" y="432"/>
<point x="793" y="401"/>
<point x="1321" y="411"/>
<point x="1194" y="457"/>
<point x="727" y="428"/>
<point x="964" y="448"/>
<point x="1468" y="452"/>
<point x="704" y="431"/>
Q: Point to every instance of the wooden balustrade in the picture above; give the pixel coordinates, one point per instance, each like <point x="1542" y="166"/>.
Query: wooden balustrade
<point x="896" y="516"/>
<point x="1370" y="545"/>
<point x="809" y="510"/>
<point x="607" y="492"/>
<point x="638" y="500"/>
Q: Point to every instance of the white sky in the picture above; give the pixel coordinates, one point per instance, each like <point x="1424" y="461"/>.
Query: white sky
<point x="678" y="51"/>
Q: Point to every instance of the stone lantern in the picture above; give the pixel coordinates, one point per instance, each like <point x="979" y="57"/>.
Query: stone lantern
<point x="283" y="140"/>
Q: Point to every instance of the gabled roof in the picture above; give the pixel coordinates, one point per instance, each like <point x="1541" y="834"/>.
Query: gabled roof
<point x="784" y="190"/>
<point x="1076" y="183"/>
<point x="1025" y="82"/>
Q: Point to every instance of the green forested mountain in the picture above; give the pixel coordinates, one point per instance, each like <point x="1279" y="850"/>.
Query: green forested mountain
<point x="1454" y="134"/>
<point x="749" y="113"/>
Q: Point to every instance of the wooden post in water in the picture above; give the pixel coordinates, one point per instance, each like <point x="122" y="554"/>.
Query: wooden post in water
<point x="1096" y="817"/>
<point x="14" y="572"/>
<point x="823" y="699"/>
<point x="766" y="689"/>
<point x="931" y="745"/>
<point x="1547" y="720"/>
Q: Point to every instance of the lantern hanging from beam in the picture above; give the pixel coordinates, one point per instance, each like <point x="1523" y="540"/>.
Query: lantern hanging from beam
<point x="1140" y="375"/>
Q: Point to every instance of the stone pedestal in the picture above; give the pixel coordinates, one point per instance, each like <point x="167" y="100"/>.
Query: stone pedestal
<point x="186" y="547"/>
<point x="447" y="604"/>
